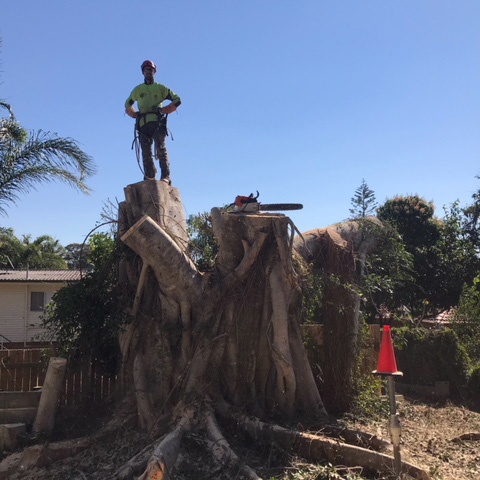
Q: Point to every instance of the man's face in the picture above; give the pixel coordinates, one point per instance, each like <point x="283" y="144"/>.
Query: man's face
<point x="149" y="73"/>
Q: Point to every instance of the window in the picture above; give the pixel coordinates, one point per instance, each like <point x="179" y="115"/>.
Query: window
<point x="37" y="301"/>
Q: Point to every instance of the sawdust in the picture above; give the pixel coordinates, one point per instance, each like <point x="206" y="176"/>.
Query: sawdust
<point x="432" y="438"/>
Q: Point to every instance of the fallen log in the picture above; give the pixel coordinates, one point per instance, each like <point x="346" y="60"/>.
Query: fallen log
<point x="316" y="448"/>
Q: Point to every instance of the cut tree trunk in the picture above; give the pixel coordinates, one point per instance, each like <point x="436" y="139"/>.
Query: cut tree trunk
<point x="205" y="342"/>
<point x="232" y="332"/>
<point x="339" y="252"/>
<point x="51" y="389"/>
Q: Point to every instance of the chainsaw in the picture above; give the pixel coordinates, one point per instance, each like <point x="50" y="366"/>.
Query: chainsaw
<point x="250" y="204"/>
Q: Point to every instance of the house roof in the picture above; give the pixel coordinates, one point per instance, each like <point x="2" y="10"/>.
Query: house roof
<point x="40" y="275"/>
<point x="443" y="319"/>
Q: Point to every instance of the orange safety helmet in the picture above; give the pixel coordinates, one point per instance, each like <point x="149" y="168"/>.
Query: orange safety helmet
<point x="149" y="63"/>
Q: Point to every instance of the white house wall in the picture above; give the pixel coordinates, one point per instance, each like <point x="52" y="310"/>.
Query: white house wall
<point x="17" y="322"/>
<point x="12" y="313"/>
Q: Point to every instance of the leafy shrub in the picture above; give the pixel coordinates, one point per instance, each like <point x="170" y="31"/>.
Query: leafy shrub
<point x="429" y="356"/>
<point x="474" y="384"/>
<point x="84" y="318"/>
<point x="467" y="319"/>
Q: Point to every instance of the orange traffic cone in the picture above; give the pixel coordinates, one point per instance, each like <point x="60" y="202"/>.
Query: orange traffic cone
<point x="387" y="364"/>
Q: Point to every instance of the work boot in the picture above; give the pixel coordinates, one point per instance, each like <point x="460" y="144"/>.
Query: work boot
<point x="166" y="180"/>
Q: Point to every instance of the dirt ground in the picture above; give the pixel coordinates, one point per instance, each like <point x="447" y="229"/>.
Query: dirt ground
<point x="442" y="439"/>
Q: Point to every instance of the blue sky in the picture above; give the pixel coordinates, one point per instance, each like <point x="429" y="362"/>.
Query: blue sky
<point x="299" y="100"/>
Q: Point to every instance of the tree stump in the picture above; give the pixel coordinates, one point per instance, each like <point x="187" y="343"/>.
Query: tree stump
<point x="204" y="346"/>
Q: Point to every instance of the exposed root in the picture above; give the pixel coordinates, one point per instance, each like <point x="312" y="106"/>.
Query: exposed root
<point x="135" y="464"/>
<point x="316" y="448"/>
<point x="165" y="454"/>
<point x="221" y="450"/>
<point x="466" y="436"/>
<point x="355" y="437"/>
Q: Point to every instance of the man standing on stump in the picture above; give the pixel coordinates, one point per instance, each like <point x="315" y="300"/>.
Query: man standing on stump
<point x="151" y="120"/>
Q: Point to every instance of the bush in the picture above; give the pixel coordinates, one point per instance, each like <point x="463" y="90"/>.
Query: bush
<point x="429" y="356"/>
<point x="84" y="318"/>
<point x="474" y="384"/>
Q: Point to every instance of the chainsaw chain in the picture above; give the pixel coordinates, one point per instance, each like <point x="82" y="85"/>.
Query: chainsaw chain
<point x="280" y="206"/>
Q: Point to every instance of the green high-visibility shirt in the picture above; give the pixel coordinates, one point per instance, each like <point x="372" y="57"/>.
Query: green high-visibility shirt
<point x="149" y="98"/>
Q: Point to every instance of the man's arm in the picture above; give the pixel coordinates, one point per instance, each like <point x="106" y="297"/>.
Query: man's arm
<point x="129" y="106"/>
<point x="171" y="107"/>
<point x="130" y="109"/>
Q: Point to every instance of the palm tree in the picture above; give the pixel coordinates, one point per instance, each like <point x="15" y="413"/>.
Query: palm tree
<point x="43" y="252"/>
<point x="30" y="158"/>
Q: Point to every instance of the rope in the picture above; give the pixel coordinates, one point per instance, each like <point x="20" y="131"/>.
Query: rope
<point x="136" y="135"/>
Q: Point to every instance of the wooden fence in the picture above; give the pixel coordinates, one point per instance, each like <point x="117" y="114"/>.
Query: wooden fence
<point x="24" y="370"/>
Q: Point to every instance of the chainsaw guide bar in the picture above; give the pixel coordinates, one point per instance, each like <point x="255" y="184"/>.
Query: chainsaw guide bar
<point x="280" y="206"/>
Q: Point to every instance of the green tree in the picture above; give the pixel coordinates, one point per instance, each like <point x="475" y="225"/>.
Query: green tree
<point x="31" y="158"/>
<point x="43" y="252"/>
<point x="11" y="249"/>
<point x="444" y="254"/>
<point x="456" y="259"/>
<point x="471" y="222"/>
<point x="363" y="202"/>
<point x="203" y="247"/>
<point x="413" y="218"/>
<point x="85" y="318"/>
<point x="467" y="319"/>
<point x="388" y="270"/>
<point x="77" y="256"/>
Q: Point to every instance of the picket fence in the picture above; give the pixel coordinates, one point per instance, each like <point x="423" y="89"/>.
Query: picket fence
<point x="23" y="370"/>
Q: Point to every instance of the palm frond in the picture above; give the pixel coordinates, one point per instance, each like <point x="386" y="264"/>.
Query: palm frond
<point x="41" y="158"/>
<point x="7" y="106"/>
<point x="11" y="131"/>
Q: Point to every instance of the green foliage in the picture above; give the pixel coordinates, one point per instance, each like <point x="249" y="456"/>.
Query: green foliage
<point x="28" y="159"/>
<point x="412" y="216"/>
<point x="363" y="202"/>
<point x="77" y="256"/>
<point x="471" y="224"/>
<point x="84" y="318"/>
<point x="203" y="247"/>
<point x="474" y="383"/>
<point x="427" y="356"/>
<point x="455" y="260"/>
<point x="443" y="253"/>
<point x="387" y="269"/>
<point x="312" y="284"/>
<point x="466" y="323"/>
<point x="42" y="253"/>
<point x="367" y="403"/>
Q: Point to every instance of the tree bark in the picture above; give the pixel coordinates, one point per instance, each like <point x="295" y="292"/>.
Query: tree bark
<point x="51" y="389"/>
<point x="339" y="252"/>
<point x="237" y="321"/>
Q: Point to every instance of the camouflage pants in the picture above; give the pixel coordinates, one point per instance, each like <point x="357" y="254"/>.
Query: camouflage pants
<point x="154" y="133"/>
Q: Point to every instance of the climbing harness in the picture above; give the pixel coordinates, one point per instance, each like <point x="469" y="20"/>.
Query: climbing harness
<point x="160" y="123"/>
